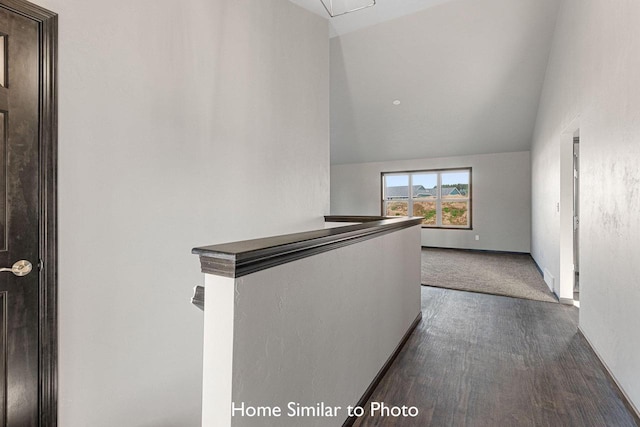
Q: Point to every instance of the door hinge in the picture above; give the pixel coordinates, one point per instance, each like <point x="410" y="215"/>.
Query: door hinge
<point x="40" y="265"/>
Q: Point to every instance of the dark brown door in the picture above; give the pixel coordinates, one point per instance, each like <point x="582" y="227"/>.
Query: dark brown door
<point x="19" y="220"/>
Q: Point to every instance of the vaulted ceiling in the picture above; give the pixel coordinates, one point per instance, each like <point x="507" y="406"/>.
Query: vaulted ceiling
<point x="467" y="74"/>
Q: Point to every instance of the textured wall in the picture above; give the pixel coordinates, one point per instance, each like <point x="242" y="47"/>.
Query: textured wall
<point x="319" y="329"/>
<point x="501" y="198"/>
<point x="182" y="123"/>
<point x="592" y="85"/>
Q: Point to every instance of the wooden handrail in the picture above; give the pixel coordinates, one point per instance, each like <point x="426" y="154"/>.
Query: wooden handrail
<point x="241" y="258"/>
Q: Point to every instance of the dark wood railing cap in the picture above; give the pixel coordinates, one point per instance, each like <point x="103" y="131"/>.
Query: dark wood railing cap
<point x="241" y="258"/>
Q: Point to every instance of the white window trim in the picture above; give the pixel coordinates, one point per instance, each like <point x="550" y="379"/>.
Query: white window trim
<point x="438" y="200"/>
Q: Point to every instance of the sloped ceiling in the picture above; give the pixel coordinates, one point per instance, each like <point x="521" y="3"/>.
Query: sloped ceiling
<point x="468" y="75"/>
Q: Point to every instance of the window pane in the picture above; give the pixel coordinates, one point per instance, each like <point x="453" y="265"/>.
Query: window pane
<point x="455" y="185"/>
<point x="455" y="214"/>
<point x="425" y="186"/>
<point x="396" y="208"/>
<point x="396" y="187"/>
<point x="427" y="210"/>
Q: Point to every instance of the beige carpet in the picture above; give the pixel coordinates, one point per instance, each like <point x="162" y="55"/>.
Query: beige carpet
<point x="512" y="275"/>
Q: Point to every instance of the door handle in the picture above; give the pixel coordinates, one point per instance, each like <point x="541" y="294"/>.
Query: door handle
<point x="20" y="268"/>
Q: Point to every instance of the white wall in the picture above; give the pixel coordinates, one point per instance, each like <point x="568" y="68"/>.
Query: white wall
<point x="314" y="330"/>
<point x="592" y="84"/>
<point x="182" y="123"/>
<point x="501" y="198"/>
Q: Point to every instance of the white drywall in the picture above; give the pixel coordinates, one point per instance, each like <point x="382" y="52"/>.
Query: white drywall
<point x="182" y="123"/>
<point x="468" y="74"/>
<point x="319" y="329"/>
<point x="592" y="85"/>
<point x="501" y="191"/>
<point x="217" y="367"/>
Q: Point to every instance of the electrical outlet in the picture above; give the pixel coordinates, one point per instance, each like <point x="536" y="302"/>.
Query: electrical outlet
<point x="477" y="237"/>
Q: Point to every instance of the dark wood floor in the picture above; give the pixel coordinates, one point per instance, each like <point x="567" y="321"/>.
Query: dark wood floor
<point x="484" y="360"/>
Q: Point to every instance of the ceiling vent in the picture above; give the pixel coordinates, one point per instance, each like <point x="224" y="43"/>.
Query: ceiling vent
<point x="340" y="7"/>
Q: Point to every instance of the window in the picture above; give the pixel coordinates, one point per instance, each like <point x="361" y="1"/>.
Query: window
<point x="441" y="197"/>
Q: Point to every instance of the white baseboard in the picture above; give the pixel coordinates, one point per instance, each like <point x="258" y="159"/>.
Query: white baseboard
<point x="566" y="301"/>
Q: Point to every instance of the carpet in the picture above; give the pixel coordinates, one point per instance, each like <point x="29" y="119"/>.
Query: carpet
<point x="507" y="274"/>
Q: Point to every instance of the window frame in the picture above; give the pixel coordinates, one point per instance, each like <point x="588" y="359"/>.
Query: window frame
<point x="438" y="199"/>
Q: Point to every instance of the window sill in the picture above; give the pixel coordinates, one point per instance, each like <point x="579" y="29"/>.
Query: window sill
<point x="426" y="227"/>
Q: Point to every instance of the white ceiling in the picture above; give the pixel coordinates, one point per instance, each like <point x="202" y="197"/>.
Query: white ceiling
<point x="384" y="10"/>
<point x="468" y="73"/>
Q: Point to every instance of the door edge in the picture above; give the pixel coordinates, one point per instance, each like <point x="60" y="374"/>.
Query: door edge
<point x="47" y="190"/>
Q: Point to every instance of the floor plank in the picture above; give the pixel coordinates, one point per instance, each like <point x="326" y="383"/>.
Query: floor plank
<point x="484" y="360"/>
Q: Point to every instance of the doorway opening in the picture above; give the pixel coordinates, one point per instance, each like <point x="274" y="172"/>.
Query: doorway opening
<point x="568" y="209"/>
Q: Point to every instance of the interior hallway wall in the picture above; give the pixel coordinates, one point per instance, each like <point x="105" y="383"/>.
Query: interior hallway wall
<point x="501" y="192"/>
<point x="592" y="82"/>
<point x="182" y="123"/>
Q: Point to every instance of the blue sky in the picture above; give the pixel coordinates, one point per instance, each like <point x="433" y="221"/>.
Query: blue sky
<point x="428" y="180"/>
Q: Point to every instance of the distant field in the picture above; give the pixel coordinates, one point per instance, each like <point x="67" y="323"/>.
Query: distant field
<point x="453" y="213"/>
<point x="397" y="208"/>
